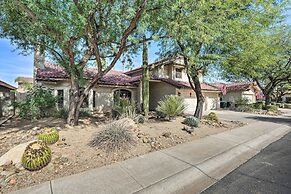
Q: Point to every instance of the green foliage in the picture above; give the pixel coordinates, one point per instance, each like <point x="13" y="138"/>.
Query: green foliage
<point x="38" y="103"/>
<point x="287" y="106"/>
<point x="125" y="108"/>
<point x="49" y="135"/>
<point x="62" y="113"/>
<point x="84" y="113"/>
<point x="36" y="156"/>
<point x="272" y="108"/>
<point x="114" y="137"/>
<point x="258" y="105"/>
<point x="242" y="101"/>
<point x="212" y="117"/>
<point x="171" y="106"/>
<point x="191" y="121"/>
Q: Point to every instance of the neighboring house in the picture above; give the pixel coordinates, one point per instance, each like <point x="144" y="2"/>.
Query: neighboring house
<point x="230" y="93"/>
<point x="287" y="98"/>
<point x="6" y="99"/>
<point x="24" y="84"/>
<point x="168" y="77"/>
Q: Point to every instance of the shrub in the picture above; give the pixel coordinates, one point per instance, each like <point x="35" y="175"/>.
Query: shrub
<point x="124" y="108"/>
<point x="114" y="137"/>
<point x="242" y="101"/>
<point x="191" y="121"/>
<point x="38" y="103"/>
<point x="36" y="156"/>
<point x="84" y="113"/>
<point x="244" y="108"/>
<point x="171" y="106"/>
<point x="287" y="106"/>
<point x="212" y="117"/>
<point x="272" y="108"/>
<point x="258" y="105"/>
<point x="62" y="113"/>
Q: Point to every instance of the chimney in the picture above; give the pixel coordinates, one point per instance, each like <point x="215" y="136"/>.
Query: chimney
<point x="38" y="60"/>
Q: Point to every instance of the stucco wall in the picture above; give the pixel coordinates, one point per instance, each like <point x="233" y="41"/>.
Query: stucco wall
<point x="103" y="97"/>
<point x="237" y="95"/>
<point x="157" y="91"/>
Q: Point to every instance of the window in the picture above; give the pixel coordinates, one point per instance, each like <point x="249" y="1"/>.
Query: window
<point x="94" y="99"/>
<point x="60" y="94"/>
<point x="178" y="73"/>
<point x="118" y="94"/>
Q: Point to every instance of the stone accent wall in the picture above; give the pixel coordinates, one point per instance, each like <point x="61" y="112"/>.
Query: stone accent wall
<point x="7" y="100"/>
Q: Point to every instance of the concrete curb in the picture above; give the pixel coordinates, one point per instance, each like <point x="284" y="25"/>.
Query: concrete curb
<point x="201" y="176"/>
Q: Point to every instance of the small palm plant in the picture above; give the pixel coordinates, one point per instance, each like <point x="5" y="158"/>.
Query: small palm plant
<point x="171" y="106"/>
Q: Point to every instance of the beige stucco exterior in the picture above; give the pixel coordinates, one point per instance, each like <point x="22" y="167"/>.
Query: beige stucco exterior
<point x="234" y="96"/>
<point x="160" y="89"/>
<point x="103" y="96"/>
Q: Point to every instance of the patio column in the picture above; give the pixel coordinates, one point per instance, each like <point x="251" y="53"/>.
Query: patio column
<point x="90" y="100"/>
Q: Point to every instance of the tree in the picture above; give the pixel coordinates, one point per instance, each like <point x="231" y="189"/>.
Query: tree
<point x="72" y="33"/>
<point x="264" y="58"/>
<point x="280" y="91"/>
<point x="200" y="30"/>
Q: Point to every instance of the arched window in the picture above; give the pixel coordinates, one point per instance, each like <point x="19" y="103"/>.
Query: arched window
<point x="121" y="93"/>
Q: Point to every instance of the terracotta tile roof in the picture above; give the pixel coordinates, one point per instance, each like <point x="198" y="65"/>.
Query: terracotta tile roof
<point x="24" y="80"/>
<point x="182" y="84"/>
<point x="240" y="86"/>
<point x="6" y="85"/>
<point x="56" y="72"/>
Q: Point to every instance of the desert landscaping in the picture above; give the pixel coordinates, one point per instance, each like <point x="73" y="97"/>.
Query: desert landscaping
<point x="72" y="153"/>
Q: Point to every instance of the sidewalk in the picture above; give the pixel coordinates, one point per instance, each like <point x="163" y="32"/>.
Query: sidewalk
<point x="186" y="168"/>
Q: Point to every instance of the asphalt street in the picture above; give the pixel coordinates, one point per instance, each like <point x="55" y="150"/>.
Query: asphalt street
<point x="267" y="172"/>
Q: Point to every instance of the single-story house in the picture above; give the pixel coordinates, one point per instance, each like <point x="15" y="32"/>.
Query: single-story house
<point x="168" y="77"/>
<point x="232" y="92"/>
<point x="7" y="98"/>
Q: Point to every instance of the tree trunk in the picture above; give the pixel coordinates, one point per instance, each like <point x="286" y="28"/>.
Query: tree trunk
<point x="145" y="80"/>
<point x="196" y="86"/>
<point x="199" y="96"/>
<point x="74" y="104"/>
<point x="267" y="99"/>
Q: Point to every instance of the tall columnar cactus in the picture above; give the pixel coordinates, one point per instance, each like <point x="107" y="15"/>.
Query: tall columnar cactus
<point x="36" y="156"/>
<point x="49" y="135"/>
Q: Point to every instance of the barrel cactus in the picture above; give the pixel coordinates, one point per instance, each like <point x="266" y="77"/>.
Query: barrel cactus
<point x="212" y="117"/>
<point x="36" y="156"/>
<point x="191" y="121"/>
<point x="49" y="135"/>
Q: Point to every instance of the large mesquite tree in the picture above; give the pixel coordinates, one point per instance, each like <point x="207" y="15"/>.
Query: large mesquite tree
<point x="264" y="58"/>
<point x="200" y="30"/>
<point x="74" y="32"/>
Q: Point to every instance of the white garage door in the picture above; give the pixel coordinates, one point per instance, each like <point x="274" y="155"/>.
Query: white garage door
<point x="211" y="103"/>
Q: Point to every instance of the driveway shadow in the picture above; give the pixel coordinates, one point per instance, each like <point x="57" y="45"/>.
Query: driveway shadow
<point x="279" y="120"/>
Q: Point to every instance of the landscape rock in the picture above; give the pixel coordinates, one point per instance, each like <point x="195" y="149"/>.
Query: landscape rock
<point x="128" y="123"/>
<point x="7" y="173"/>
<point x="14" y="154"/>
<point x="167" y="134"/>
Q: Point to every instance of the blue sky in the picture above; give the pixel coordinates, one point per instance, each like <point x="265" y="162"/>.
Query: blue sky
<point x="13" y="64"/>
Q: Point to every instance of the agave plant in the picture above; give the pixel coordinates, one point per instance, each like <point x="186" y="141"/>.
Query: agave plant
<point x="171" y="106"/>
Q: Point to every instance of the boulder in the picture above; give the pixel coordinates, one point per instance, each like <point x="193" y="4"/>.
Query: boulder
<point x="14" y="154"/>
